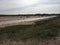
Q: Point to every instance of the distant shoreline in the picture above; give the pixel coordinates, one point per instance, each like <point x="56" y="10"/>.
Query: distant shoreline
<point x="30" y="14"/>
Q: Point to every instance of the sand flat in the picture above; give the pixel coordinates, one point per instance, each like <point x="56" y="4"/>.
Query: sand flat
<point x="6" y="21"/>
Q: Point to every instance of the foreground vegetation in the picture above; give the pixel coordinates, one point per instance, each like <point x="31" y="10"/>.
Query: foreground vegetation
<point x="46" y="29"/>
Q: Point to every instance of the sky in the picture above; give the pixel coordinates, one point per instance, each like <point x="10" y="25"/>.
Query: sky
<point x="29" y="6"/>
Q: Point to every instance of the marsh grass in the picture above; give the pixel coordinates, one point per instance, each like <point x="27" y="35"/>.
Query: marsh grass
<point x="46" y="29"/>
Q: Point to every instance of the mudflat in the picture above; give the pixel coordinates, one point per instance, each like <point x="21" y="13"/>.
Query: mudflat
<point x="22" y="20"/>
<point x="12" y="18"/>
<point x="7" y="18"/>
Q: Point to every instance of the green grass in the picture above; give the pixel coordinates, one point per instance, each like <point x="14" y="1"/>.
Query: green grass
<point x="46" y="29"/>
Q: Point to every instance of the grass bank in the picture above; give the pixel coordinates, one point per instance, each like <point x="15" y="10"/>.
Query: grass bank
<point x="46" y="29"/>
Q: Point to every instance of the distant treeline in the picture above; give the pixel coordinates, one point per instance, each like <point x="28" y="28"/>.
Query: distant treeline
<point x="29" y="14"/>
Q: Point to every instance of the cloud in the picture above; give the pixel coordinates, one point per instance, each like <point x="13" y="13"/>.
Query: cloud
<point x="55" y="8"/>
<point x="37" y="9"/>
<point x="21" y="6"/>
<point x="8" y="4"/>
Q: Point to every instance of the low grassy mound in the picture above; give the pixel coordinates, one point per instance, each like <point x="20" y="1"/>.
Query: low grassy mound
<point x="46" y="29"/>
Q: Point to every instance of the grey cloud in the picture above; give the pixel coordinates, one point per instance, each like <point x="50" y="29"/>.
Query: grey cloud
<point x="14" y="6"/>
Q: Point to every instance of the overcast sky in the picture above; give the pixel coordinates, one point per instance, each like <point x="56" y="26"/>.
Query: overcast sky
<point x="29" y="6"/>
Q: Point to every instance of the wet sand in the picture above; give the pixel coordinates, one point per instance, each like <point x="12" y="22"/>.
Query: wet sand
<point x="7" y="21"/>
